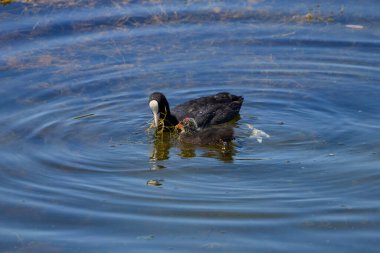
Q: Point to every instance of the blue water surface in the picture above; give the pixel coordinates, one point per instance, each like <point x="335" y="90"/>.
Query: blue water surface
<point x="76" y="151"/>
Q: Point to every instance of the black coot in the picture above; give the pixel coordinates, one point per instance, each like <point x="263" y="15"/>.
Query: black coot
<point x="206" y="111"/>
<point x="191" y="134"/>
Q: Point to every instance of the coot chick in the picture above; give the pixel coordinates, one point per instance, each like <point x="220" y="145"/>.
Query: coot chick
<point x="206" y="111"/>
<point x="191" y="134"/>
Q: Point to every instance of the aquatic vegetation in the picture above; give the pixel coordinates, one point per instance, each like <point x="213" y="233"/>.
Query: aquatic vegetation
<point x="5" y="2"/>
<point x="154" y="182"/>
<point x="162" y="128"/>
<point x="315" y="14"/>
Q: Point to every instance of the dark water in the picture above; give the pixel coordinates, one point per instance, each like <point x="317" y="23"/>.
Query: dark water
<point x="76" y="155"/>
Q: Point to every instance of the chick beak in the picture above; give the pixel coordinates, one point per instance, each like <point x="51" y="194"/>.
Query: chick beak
<point x="179" y="126"/>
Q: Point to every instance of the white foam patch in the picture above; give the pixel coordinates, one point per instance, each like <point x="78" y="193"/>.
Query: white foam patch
<point x="257" y="134"/>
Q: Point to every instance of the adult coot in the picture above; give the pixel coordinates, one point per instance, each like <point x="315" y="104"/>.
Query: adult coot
<point x="191" y="134"/>
<point x="206" y="111"/>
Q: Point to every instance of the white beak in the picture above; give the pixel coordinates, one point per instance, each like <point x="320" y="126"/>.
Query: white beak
<point x="154" y="107"/>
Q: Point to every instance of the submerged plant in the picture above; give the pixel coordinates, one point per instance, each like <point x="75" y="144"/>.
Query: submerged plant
<point x="162" y="128"/>
<point x="5" y="2"/>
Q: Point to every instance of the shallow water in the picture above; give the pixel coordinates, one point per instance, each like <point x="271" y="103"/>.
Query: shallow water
<point x="76" y="153"/>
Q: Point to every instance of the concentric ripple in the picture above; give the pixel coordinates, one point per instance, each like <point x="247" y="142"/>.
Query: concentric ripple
<point x="80" y="170"/>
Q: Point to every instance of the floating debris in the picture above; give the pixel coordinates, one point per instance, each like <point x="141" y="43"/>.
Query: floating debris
<point x="257" y="133"/>
<point x="154" y="182"/>
<point x="355" y="27"/>
<point x="312" y="18"/>
<point x="309" y="17"/>
<point x="85" y="116"/>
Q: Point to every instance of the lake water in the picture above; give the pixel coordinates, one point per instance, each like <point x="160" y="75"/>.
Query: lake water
<point x="76" y="153"/>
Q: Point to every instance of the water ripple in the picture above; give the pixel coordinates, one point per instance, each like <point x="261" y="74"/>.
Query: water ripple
<point x="76" y="155"/>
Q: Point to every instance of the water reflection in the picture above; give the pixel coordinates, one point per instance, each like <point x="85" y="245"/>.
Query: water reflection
<point x="161" y="146"/>
<point x="224" y="153"/>
<point x="164" y="142"/>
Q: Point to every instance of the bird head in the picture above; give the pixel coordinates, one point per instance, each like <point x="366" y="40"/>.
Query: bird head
<point x="187" y="125"/>
<point x="159" y="106"/>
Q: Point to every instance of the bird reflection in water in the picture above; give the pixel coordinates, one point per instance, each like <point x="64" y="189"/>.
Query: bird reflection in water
<point x="163" y="143"/>
<point x="224" y="153"/>
<point x="161" y="146"/>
